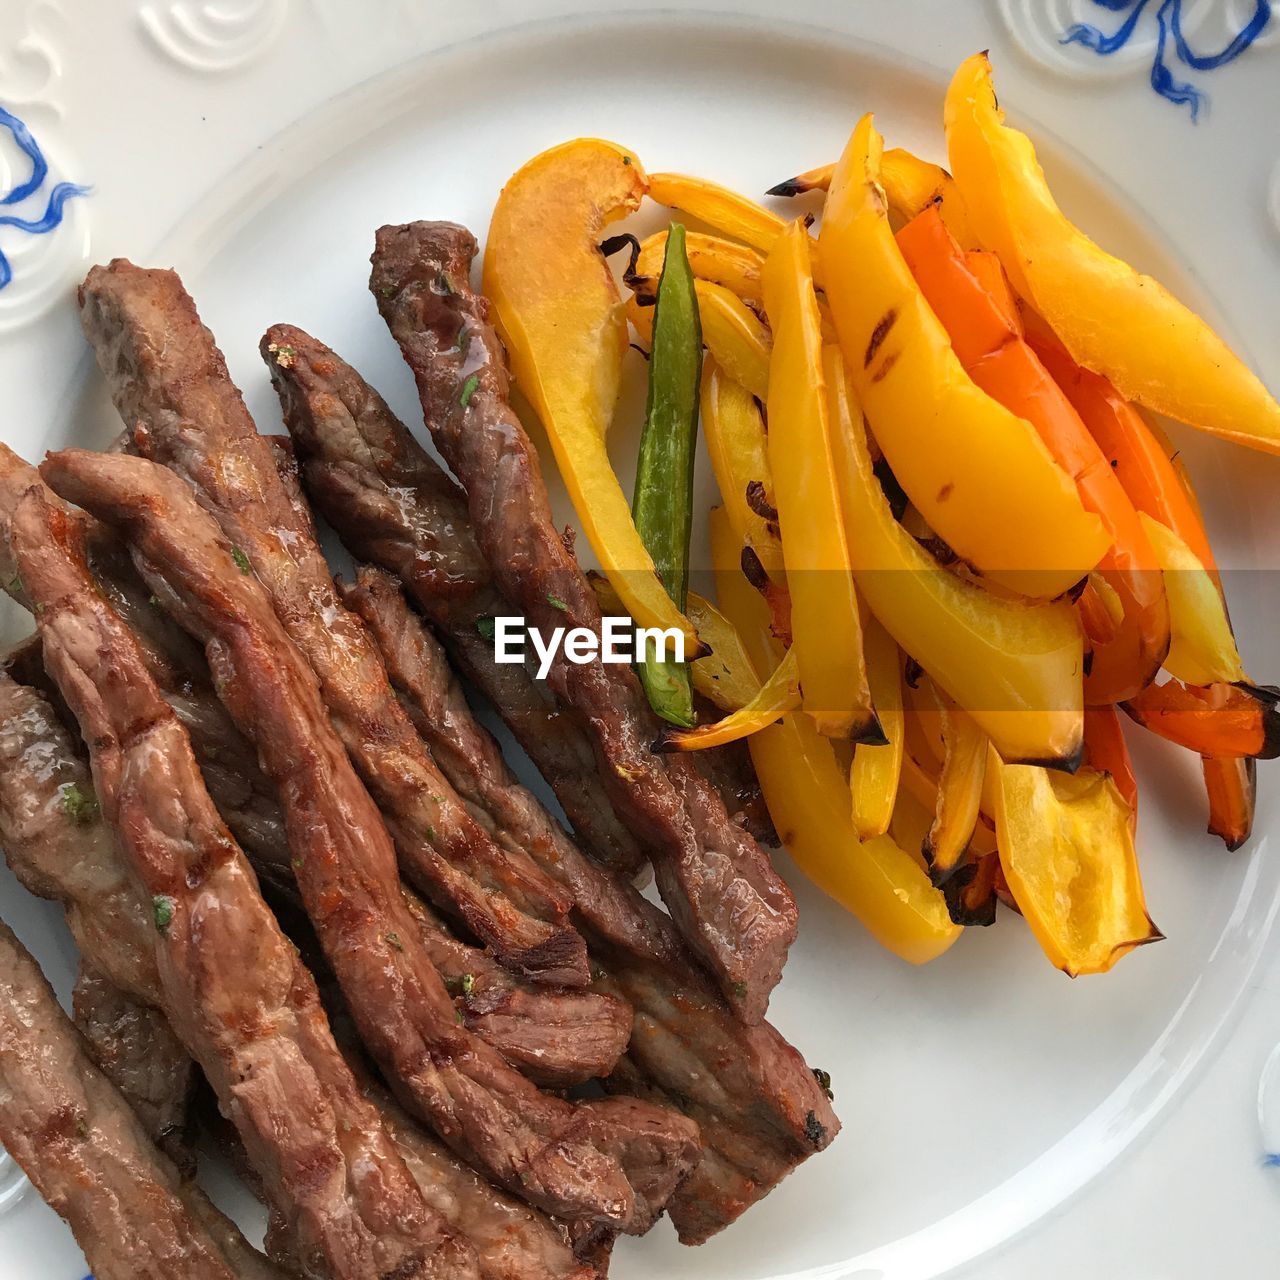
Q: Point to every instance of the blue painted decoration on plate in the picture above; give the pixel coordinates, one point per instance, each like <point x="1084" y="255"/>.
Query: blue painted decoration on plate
<point x="30" y="186"/>
<point x="1169" y="32"/>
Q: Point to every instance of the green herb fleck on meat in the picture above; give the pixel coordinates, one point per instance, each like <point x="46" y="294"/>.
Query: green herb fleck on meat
<point x="468" y="984"/>
<point x="824" y="1082"/>
<point x="393" y="940"/>
<point x="162" y="908"/>
<point x="242" y="560"/>
<point x="486" y="627"/>
<point x="82" y="809"/>
<point x="283" y="353"/>
<point x="556" y="603"/>
<point x="739" y="990"/>
<point x="469" y="389"/>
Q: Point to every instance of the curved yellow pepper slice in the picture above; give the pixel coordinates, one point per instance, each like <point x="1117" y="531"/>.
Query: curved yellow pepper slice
<point x="1068" y="854"/>
<point x="712" y="258"/>
<point x="1017" y="667"/>
<point x="718" y="207"/>
<point x="725" y="676"/>
<point x="1112" y="319"/>
<point x="1202" y="649"/>
<point x="734" y="335"/>
<point x="910" y="184"/>
<point x="826" y="626"/>
<point x="559" y="312"/>
<point x="808" y="799"/>
<point x="876" y="769"/>
<point x="733" y="428"/>
<point x="979" y="474"/>
<point x="777" y="696"/>
<point x="960" y="788"/>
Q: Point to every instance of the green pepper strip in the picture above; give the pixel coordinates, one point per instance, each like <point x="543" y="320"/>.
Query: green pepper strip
<point x="663" y="504"/>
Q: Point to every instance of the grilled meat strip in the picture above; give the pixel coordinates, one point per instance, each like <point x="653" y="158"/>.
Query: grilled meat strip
<point x="720" y="886"/>
<point x="606" y="1161"/>
<point x="170" y="383"/>
<point x="514" y="1241"/>
<point x="760" y="1108"/>
<point x="556" y="1038"/>
<point x="137" y="1050"/>
<point x="233" y="985"/>
<point x="606" y="907"/>
<point x="237" y="785"/>
<point x="86" y="1152"/>
<point x="391" y="504"/>
<point x="59" y="847"/>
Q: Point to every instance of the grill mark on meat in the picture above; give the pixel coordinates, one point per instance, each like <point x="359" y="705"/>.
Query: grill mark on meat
<point x="603" y="1160"/>
<point x="169" y="378"/>
<point x="328" y="1167"/>
<point x="87" y="1154"/>
<point x="719" y="885"/>
<point x="750" y="1091"/>
<point x="392" y="504"/>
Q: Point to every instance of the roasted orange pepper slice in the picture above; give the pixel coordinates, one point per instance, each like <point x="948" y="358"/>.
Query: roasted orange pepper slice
<point x="1213" y="720"/>
<point x="1066" y="848"/>
<point x="991" y="348"/>
<point x="559" y="312"/>
<point x="1160" y="489"/>
<point x="1232" y="787"/>
<point x="1106" y="751"/>
<point x="826" y="626"/>
<point x="980" y="475"/>
<point x="1015" y="666"/>
<point x="808" y="799"/>
<point x="1111" y="318"/>
<point x="1135" y="451"/>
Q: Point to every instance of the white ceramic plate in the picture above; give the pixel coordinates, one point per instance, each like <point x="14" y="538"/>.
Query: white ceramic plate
<point x="255" y="145"/>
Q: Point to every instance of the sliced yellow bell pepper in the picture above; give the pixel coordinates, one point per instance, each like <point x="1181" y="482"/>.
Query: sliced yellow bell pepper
<point x="808" y="799"/>
<point x="733" y="428"/>
<point x="873" y="779"/>
<point x="559" y="312"/>
<point x="1202" y="649"/>
<point x="711" y="258"/>
<point x="960" y="786"/>
<point x="1111" y="318"/>
<point x="825" y="622"/>
<point x="718" y="207"/>
<point x="910" y="184"/>
<point x="1068" y="854"/>
<point x="734" y="335"/>
<point x="979" y="474"/>
<point x="1016" y="667"/>
<point x="725" y="676"/>
<point x="778" y="695"/>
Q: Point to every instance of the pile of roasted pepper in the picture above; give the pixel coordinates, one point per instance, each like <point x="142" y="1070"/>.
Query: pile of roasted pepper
<point x="952" y="546"/>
